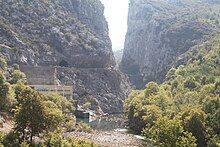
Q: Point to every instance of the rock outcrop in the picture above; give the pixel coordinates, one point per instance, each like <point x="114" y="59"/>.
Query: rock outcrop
<point x="160" y="31"/>
<point x="72" y="34"/>
<point x="118" y="56"/>
<point x="69" y="32"/>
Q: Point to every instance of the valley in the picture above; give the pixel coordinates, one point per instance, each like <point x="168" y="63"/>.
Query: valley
<point x="61" y="83"/>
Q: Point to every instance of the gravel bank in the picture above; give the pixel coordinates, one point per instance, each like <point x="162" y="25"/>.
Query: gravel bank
<point x="111" y="138"/>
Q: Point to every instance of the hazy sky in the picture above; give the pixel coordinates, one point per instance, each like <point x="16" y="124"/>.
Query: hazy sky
<point x="116" y="14"/>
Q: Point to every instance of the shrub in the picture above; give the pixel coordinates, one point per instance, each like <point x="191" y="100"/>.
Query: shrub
<point x="55" y="139"/>
<point x="169" y="133"/>
<point x="17" y="76"/>
<point x="81" y="142"/>
<point x="190" y="83"/>
<point x="83" y="127"/>
<point x="87" y="106"/>
<point x="194" y="122"/>
<point x="11" y="139"/>
<point x="2" y="135"/>
<point x="70" y="123"/>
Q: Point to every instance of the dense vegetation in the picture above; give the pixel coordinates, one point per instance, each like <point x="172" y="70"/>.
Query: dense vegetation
<point x="39" y="119"/>
<point x="185" y="109"/>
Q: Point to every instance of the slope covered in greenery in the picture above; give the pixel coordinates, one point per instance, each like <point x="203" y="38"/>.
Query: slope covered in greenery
<point x="42" y="116"/>
<point x="185" y="109"/>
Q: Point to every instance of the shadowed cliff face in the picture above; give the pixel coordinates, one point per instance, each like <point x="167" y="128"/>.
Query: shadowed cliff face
<point x="48" y="32"/>
<point x="160" y="31"/>
<point x="70" y="34"/>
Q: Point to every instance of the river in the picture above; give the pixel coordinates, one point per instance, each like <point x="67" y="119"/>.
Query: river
<point x="111" y="131"/>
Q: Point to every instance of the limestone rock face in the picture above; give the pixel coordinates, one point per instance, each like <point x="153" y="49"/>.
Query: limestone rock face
<point x="118" y="56"/>
<point x="71" y="35"/>
<point x="49" y="32"/>
<point x="160" y="31"/>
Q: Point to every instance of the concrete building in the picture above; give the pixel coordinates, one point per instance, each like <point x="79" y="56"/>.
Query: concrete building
<point x="44" y="80"/>
<point x="66" y="91"/>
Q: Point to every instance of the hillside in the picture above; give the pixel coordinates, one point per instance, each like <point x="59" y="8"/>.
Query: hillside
<point x="161" y="31"/>
<point x="187" y="102"/>
<point x="49" y="32"/>
<point x="69" y="34"/>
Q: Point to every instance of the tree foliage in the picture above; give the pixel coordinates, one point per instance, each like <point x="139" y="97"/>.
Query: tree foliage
<point x="188" y="99"/>
<point x="167" y="132"/>
<point x="35" y="115"/>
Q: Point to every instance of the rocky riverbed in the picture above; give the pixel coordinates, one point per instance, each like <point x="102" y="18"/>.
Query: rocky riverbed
<point x="111" y="138"/>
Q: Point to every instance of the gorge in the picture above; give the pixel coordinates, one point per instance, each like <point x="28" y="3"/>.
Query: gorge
<point x="159" y="32"/>
<point x="164" y="84"/>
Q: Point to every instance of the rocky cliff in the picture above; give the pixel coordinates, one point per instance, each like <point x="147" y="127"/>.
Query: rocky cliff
<point x="161" y="31"/>
<point x="118" y="56"/>
<point x="72" y="34"/>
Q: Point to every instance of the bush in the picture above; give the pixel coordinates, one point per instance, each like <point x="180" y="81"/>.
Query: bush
<point x="11" y="139"/>
<point x="55" y="139"/>
<point x="80" y="142"/>
<point x="169" y="133"/>
<point x="25" y="144"/>
<point x="87" y="106"/>
<point x="194" y="122"/>
<point x="2" y="135"/>
<point x="190" y="83"/>
<point x="18" y="76"/>
<point x="83" y="127"/>
<point x="70" y="123"/>
<point x="214" y="141"/>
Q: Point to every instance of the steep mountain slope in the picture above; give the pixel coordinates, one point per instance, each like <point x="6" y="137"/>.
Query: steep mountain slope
<point x="190" y="95"/>
<point x="67" y="33"/>
<point x="118" y="56"/>
<point x="160" y="31"/>
<point x="49" y="32"/>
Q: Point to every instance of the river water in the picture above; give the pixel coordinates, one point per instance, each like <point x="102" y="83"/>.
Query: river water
<point x="108" y="123"/>
<point x="114" y="124"/>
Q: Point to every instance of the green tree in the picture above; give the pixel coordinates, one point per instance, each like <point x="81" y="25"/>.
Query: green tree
<point x="18" y="76"/>
<point x="211" y="107"/>
<point x="169" y="133"/>
<point x="67" y="106"/>
<point x="190" y="83"/>
<point x="34" y="115"/>
<point x="16" y="67"/>
<point x="6" y="94"/>
<point x="194" y="121"/>
<point x="171" y="74"/>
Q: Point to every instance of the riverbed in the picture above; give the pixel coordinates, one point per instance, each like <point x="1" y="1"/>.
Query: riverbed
<point x="111" y="131"/>
<point x="111" y="138"/>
